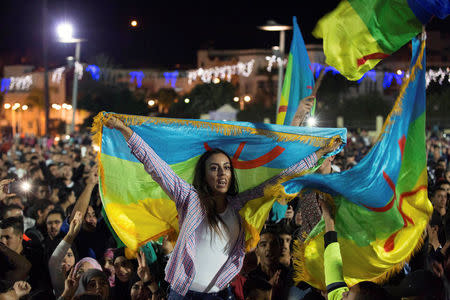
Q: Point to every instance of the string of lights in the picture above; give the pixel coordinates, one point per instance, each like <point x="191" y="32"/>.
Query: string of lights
<point x="23" y="83"/>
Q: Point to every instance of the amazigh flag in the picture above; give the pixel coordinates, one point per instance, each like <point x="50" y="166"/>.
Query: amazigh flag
<point x="137" y="208"/>
<point x="298" y="80"/>
<point x="381" y="205"/>
<point x="358" y="34"/>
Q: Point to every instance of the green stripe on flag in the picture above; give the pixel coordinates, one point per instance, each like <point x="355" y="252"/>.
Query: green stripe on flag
<point x="392" y="23"/>
<point x="126" y="180"/>
<point x="414" y="156"/>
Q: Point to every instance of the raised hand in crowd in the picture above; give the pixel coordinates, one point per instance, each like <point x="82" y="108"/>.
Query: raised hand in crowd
<point x="327" y="215"/>
<point x="21" y="288"/>
<point x="114" y="123"/>
<point x="143" y="270"/>
<point x="82" y="202"/>
<point x="70" y="286"/>
<point x="74" y="228"/>
<point x="144" y="273"/>
<point x="275" y="278"/>
<point x="4" y="193"/>
<point x="289" y="213"/>
<point x="303" y="109"/>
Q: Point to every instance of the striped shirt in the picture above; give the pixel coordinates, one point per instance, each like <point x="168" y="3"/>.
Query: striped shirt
<point x="180" y="270"/>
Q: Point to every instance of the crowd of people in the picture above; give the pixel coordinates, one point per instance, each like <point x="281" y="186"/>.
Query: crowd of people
<point x="55" y="242"/>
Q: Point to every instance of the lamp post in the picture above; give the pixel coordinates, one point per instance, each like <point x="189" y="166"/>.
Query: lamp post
<point x="15" y="126"/>
<point x="65" y="32"/>
<point x="271" y="25"/>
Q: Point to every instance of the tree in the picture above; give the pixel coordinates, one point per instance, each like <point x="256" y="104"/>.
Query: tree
<point x="96" y="96"/>
<point x="204" y="98"/>
<point x="166" y="97"/>
<point x="257" y="112"/>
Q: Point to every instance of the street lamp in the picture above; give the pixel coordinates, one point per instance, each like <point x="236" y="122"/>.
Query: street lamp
<point x="65" y="31"/>
<point x="14" y="109"/>
<point x="271" y="25"/>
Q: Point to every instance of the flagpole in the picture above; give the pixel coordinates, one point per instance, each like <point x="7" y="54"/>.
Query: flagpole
<point x="280" y="70"/>
<point x="298" y="119"/>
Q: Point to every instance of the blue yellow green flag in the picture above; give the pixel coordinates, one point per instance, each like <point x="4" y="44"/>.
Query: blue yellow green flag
<point x="139" y="210"/>
<point x="382" y="208"/>
<point x="298" y="80"/>
<point x="358" y="34"/>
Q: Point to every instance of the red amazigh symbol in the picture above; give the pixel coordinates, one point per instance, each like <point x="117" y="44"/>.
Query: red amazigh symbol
<point x="363" y="60"/>
<point x="282" y="108"/>
<point x="401" y="143"/>
<point x="389" y="245"/>
<point x="254" y="163"/>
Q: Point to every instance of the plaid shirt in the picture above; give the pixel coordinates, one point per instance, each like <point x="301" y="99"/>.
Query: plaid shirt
<point x="180" y="270"/>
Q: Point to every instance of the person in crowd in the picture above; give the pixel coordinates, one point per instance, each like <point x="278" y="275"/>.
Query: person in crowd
<point x="139" y="291"/>
<point x="269" y="267"/>
<point x="124" y="270"/>
<point x="66" y="180"/>
<point x="439" y="201"/>
<point x="63" y="259"/>
<point x="94" y="237"/>
<point x="13" y="200"/>
<point x="14" y="266"/>
<point x="54" y="221"/>
<point x="39" y="212"/>
<point x="286" y="239"/>
<point x="40" y="191"/>
<point x="108" y="266"/>
<point x="66" y="198"/>
<point x="11" y="233"/>
<point x="36" y="175"/>
<point x="14" y="210"/>
<point x="85" y="264"/>
<point x="95" y="282"/>
<point x="213" y="226"/>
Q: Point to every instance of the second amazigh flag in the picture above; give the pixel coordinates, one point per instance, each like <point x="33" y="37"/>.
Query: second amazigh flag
<point x="298" y="80"/>
<point x="358" y="34"/>
<point x="382" y="208"/>
<point x="138" y="209"/>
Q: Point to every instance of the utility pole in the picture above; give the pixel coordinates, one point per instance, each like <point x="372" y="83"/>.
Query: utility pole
<point x="45" y="56"/>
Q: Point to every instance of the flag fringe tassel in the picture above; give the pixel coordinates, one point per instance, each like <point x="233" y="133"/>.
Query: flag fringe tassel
<point x="224" y="129"/>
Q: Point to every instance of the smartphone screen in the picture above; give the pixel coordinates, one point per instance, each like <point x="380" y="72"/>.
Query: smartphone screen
<point x="7" y="188"/>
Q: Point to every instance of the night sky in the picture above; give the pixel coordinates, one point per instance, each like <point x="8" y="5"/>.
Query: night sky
<point x="169" y="32"/>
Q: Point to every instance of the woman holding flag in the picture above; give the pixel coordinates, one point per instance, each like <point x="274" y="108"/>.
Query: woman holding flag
<point x="210" y="248"/>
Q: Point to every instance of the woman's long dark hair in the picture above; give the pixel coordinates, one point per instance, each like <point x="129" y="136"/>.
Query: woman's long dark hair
<point x="205" y="192"/>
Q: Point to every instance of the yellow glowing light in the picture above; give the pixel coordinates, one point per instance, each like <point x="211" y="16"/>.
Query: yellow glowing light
<point x="67" y="137"/>
<point x="247" y="98"/>
<point x="134" y="23"/>
<point x="24" y="107"/>
<point x="151" y="102"/>
<point x="187" y="100"/>
<point x="16" y="106"/>
<point x="57" y="139"/>
<point x="236" y="99"/>
<point x="7" y="106"/>
<point x="399" y="72"/>
<point x="96" y="148"/>
<point x="216" y="80"/>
